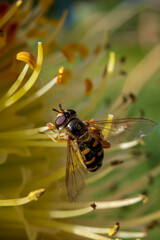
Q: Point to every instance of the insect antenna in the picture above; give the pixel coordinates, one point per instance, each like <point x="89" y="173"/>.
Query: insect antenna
<point x="60" y="106"/>
<point x="55" y="110"/>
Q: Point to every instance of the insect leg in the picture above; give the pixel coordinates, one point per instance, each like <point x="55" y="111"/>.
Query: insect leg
<point x="51" y="128"/>
<point x="55" y="140"/>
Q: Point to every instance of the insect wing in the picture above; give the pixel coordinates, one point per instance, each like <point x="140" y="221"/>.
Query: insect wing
<point x="75" y="172"/>
<point x="124" y="130"/>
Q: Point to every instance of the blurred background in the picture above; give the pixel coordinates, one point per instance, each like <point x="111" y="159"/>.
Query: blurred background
<point x="81" y="40"/>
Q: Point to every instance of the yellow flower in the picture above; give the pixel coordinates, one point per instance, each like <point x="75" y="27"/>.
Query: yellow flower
<point x="32" y="163"/>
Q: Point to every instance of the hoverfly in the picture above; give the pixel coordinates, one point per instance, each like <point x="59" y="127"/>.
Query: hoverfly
<point x="86" y="143"/>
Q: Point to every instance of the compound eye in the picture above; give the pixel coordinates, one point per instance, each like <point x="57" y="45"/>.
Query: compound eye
<point x="71" y="112"/>
<point x="60" y="120"/>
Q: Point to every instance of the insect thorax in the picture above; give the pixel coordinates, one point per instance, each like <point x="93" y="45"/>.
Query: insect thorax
<point x="77" y="129"/>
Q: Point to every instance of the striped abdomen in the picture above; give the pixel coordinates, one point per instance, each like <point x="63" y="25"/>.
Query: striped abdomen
<point x="92" y="152"/>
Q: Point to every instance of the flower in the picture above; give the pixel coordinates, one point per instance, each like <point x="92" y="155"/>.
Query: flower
<point x="31" y="162"/>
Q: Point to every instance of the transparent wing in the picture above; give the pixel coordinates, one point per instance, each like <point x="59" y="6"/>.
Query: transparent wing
<point x="123" y="130"/>
<point x="75" y="172"/>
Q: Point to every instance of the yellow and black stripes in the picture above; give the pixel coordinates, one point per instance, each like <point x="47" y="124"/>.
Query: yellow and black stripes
<point x="92" y="152"/>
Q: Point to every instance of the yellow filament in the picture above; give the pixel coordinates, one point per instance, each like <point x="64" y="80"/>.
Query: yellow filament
<point x="39" y="144"/>
<point x="32" y="196"/>
<point x="107" y="127"/>
<point x="10" y="13"/>
<point x="119" y="203"/>
<point x="121" y="234"/>
<point x="111" y="63"/>
<point x="67" y="227"/>
<point x="6" y="103"/>
<point x="139" y="76"/>
<point x="99" y="175"/>
<point x="81" y="211"/>
<point x="100" y="91"/>
<point x="129" y="144"/>
<point x="17" y="83"/>
<point x="60" y="173"/>
<point x="71" y="213"/>
<point x="59" y="25"/>
<point x="140" y="220"/>
<point x="37" y="94"/>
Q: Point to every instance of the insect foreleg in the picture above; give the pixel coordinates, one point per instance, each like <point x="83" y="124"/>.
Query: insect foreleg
<point x="51" y="128"/>
<point x="55" y="140"/>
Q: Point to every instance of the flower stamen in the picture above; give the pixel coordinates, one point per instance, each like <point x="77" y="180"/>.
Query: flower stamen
<point x="98" y="94"/>
<point x="9" y="101"/>
<point x="113" y="230"/>
<point x="88" y="86"/>
<point x="18" y="82"/>
<point x="10" y="13"/>
<point x="32" y="196"/>
<point x="107" y="127"/>
<point x="28" y="58"/>
<point x="60" y="76"/>
<point x="96" y="206"/>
